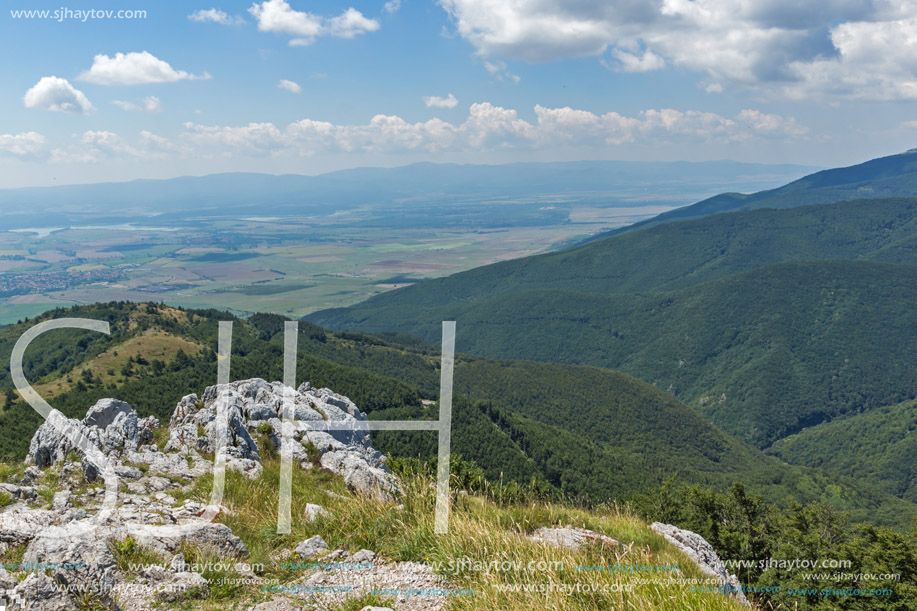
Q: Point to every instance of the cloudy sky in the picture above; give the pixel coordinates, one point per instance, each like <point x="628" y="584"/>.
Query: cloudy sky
<point x="306" y="86"/>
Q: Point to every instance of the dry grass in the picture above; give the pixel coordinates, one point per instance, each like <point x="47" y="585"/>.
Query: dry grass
<point x="480" y="531"/>
<point x="151" y="345"/>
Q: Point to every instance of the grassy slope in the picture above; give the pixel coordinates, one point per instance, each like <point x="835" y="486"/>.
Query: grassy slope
<point x="581" y="431"/>
<point x="480" y="531"/>
<point x="151" y="345"/>
<point x="880" y="446"/>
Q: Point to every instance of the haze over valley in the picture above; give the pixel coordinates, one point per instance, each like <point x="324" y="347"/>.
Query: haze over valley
<point x="295" y="244"/>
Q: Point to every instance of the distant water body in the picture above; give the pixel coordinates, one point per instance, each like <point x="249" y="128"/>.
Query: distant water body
<point x="44" y="232"/>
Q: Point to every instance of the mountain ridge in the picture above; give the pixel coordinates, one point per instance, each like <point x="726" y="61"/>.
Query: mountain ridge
<point x="890" y="176"/>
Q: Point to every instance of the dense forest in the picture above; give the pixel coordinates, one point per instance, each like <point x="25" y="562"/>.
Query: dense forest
<point x="580" y="432"/>
<point x="523" y="431"/>
<point x="766" y="321"/>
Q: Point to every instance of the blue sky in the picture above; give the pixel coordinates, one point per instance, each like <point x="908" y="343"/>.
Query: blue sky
<point x="295" y="86"/>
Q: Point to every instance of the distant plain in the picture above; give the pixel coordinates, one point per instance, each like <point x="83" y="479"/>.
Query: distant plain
<point x="214" y="245"/>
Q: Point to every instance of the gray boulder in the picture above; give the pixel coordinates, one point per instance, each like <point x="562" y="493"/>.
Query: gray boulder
<point x="311" y="547"/>
<point x="104" y="413"/>
<point x="182" y="585"/>
<point x="214" y="536"/>
<point x="20" y="524"/>
<point x="110" y="425"/>
<point x="363" y="556"/>
<point x="81" y="560"/>
<point x="314" y="512"/>
<point x="361" y="476"/>
<point x="19" y="492"/>
<point x="573" y="538"/>
<point x="704" y="556"/>
<point x="7" y="581"/>
<point x="38" y="592"/>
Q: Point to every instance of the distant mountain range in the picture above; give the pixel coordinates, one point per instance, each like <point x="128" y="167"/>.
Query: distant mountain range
<point x="892" y="176"/>
<point x="624" y="182"/>
<point x="784" y="314"/>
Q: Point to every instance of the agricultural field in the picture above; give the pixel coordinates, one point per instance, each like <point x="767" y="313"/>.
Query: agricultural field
<point x="294" y="244"/>
<point x="289" y="265"/>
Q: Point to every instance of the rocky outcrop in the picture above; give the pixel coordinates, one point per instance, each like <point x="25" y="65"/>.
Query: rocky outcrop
<point x="228" y="417"/>
<point x="7" y="581"/>
<point x="182" y="585"/>
<point x="110" y="425"/>
<point x="196" y="426"/>
<point x="79" y="526"/>
<point x="224" y="424"/>
<point x="20" y="524"/>
<point x="573" y="538"/>
<point x="704" y="556"/>
<point x="369" y="572"/>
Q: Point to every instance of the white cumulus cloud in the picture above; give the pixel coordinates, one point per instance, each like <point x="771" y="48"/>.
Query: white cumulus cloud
<point x="133" y="69"/>
<point x="631" y="62"/>
<point x="499" y="70"/>
<point x="150" y="104"/>
<point x="99" y="145"/>
<point x="487" y="127"/>
<point x="24" y="145"/>
<point x="435" y="101"/>
<point x="57" y="94"/>
<point x="290" y="86"/>
<point x="850" y="48"/>
<point x="770" y="123"/>
<point x="215" y="15"/>
<point x="392" y="6"/>
<point x="351" y="23"/>
<point x="278" y="16"/>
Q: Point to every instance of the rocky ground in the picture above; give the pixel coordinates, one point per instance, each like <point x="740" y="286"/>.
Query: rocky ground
<point x="71" y="514"/>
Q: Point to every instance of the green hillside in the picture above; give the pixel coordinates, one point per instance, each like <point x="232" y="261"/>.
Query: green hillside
<point x="574" y="432"/>
<point x="665" y="257"/>
<point x="892" y="176"/>
<point x="763" y="354"/>
<point x="878" y="446"/>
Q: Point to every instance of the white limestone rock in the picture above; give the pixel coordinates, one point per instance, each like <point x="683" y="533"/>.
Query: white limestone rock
<point x="704" y="556"/>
